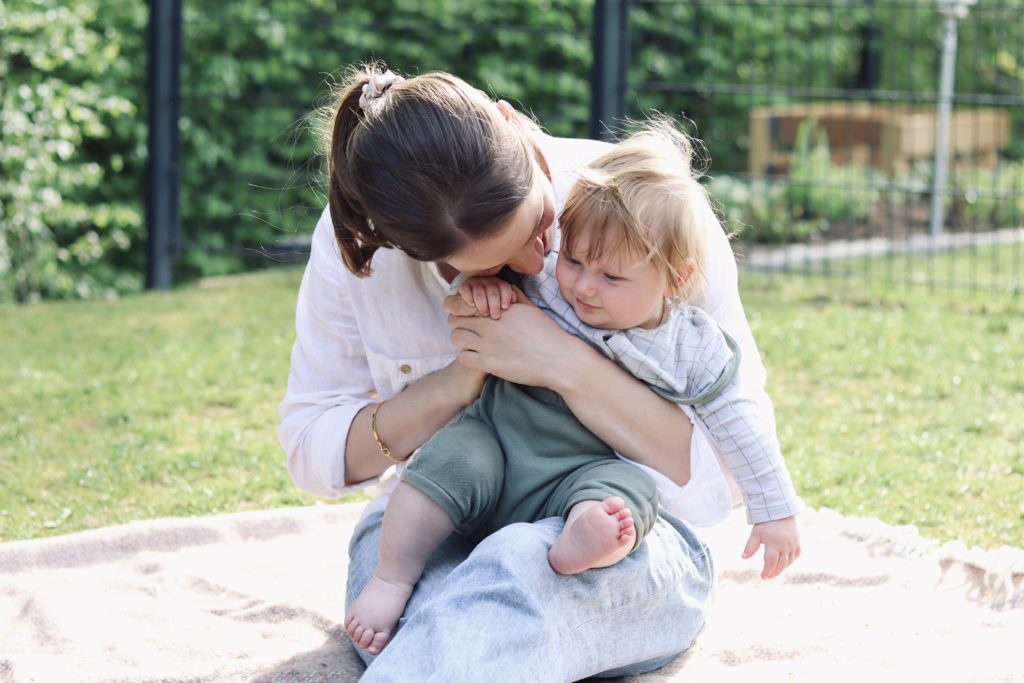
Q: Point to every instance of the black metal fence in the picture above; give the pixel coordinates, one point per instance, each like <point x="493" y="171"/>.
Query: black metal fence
<point x="834" y="148"/>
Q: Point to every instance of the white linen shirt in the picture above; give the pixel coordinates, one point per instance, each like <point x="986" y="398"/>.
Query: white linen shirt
<point x="359" y="340"/>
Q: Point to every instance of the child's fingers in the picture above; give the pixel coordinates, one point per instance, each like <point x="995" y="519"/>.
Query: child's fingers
<point x="466" y="292"/>
<point x="480" y="300"/>
<point x="772" y="559"/>
<point x="507" y="296"/>
<point x="519" y="298"/>
<point x="494" y="301"/>
<point x="753" y="543"/>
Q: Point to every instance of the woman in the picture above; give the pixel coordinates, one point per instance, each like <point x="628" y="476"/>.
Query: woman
<point x="429" y="178"/>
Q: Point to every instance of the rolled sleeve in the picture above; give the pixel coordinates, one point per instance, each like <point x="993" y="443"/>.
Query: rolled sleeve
<point x="329" y="381"/>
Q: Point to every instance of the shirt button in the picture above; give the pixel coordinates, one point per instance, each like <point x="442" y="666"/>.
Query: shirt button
<point x="405" y="368"/>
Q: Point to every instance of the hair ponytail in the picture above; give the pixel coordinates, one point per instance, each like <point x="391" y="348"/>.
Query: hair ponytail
<point x="352" y="229"/>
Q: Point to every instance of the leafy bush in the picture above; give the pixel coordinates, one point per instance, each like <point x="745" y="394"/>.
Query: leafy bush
<point x="758" y="211"/>
<point x="70" y="150"/>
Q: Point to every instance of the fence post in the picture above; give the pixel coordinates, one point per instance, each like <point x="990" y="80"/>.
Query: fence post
<point x="954" y="11"/>
<point x="163" y="170"/>
<point x="610" y="45"/>
<point x="870" y="56"/>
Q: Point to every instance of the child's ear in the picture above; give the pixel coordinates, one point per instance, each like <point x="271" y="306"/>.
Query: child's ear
<point x="679" y="279"/>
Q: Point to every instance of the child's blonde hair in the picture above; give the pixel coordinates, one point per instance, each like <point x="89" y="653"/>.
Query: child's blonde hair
<point x="646" y="195"/>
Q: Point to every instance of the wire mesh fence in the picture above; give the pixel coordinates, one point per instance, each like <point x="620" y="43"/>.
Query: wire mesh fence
<point x="823" y="123"/>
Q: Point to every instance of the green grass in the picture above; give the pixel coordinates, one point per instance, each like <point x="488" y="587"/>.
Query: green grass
<point x="155" y="405"/>
<point x="906" y="405"/>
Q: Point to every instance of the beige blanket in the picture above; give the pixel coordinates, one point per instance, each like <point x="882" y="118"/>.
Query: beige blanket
<point x="258" y="597"/>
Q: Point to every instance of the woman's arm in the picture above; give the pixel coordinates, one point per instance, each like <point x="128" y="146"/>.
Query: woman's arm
<point x="325" y="414"/>
<point x="406" y="421"/>
<point x="528" y="347"/>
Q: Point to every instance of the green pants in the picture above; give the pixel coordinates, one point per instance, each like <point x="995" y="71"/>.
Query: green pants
<point x="520" y="455"/>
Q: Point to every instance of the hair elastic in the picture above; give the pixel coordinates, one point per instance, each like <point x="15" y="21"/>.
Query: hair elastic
<point x="377" y="86"/>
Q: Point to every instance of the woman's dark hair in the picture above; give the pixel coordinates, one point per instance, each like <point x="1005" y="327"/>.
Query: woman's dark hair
<point x="424" y="167"/>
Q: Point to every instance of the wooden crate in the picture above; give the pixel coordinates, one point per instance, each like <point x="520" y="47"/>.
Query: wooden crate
<point x="886" y="137"/>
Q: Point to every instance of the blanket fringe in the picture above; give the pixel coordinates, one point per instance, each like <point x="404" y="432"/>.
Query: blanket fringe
<point x="994" y="578"/>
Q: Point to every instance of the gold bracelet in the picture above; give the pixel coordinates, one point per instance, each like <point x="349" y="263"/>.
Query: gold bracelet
<point x="384" y="450"/>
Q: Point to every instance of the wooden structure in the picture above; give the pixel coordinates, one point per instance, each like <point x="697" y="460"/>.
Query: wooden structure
<point x="887" y="137"/>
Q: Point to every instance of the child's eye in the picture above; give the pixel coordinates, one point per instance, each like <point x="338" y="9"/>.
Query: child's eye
<point x="613" y="278"/>
<point x="572" y="261"/>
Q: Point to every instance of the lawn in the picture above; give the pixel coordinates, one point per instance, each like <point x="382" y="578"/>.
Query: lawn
<point x="907" y="405"/>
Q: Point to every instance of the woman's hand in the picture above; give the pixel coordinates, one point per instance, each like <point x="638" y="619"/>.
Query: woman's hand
<point x="525" y="346"/>
<point x="464" y="382"/>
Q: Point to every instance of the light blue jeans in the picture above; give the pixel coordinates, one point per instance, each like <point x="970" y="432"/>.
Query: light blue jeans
<point x="498" y="612"/>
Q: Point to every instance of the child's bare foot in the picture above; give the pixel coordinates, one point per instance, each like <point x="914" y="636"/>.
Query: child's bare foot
<point x="373" y="616"/>
<point x="601" y="535"/>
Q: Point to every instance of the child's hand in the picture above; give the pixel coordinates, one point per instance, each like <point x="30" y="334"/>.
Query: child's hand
<point x="781" y="540"/>
<point x="489" y="295"/>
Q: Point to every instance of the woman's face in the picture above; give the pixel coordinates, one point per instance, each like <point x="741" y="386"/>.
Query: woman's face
<point x="522" y="243"/>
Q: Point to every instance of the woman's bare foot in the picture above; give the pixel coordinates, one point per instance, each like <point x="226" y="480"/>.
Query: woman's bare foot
<point x="599" y="536"/>
<point x="373" y="616"/>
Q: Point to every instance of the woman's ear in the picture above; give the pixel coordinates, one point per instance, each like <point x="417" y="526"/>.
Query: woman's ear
<point x="509" y="112"/>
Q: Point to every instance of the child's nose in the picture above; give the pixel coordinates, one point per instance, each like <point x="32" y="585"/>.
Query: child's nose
<point x="586" y="284"/>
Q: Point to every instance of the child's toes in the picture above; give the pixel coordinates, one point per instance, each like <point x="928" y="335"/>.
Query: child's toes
<point x="379" y="641"/>
<point x="362" y="636"/>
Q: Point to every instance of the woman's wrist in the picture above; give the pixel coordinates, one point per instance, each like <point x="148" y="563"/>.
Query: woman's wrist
<point x="463" y="385"/>
<point x="575" y="368"/>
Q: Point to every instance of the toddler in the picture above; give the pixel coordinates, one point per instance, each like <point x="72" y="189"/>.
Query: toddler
<point x="632" y="252"/>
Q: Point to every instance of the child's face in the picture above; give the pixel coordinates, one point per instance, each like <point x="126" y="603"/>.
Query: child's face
<point x="620" y="291"/>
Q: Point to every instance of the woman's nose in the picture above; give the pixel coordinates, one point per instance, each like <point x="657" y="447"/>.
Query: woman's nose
<point x="530" y="259"/>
